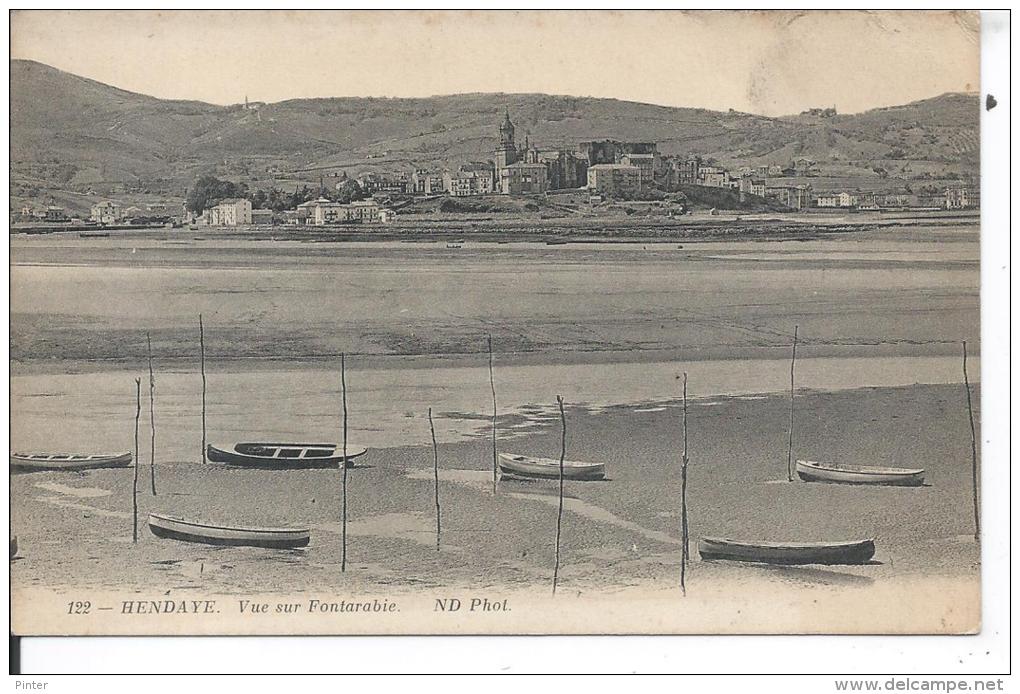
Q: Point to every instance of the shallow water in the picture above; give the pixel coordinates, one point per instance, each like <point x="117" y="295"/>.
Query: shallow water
<point x="388" y="407"/>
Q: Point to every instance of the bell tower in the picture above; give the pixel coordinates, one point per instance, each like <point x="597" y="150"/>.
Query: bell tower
<point x="506" y="152"/>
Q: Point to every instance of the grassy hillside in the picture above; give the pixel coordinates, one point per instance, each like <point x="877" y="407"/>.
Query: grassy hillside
<point x="73" y="134"/>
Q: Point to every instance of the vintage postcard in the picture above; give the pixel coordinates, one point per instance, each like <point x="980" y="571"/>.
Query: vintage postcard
<point x="494" y="322"/>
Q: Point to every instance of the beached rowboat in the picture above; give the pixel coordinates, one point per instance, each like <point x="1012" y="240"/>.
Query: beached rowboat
<point x="527" y="466"/>
<point x="206" y="533"/>
<point x="855" y="552"/>
<point x="811" y="471"/>
<point x="68" y="461"/>
<point x="284" y="455"/>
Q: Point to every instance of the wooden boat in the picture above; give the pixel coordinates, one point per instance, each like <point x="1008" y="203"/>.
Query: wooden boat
<point x="68" y="461"/>
<point x="527" y="466"/>
<point x="14" y="546"/>
<point x="855" y="552"/>
<point x="284" y="455"/>
<point x="811" y="471"/>
<point x="206" y="533"/>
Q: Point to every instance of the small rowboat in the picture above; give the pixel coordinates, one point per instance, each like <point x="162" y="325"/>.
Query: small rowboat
<point x="811" y="471"/>
<point x="189" y="531"/>
<point x="526" y="466"/>
<point x="856" y="552"/>
<point x="68" y="461"/>
<point x="284" y="455"/>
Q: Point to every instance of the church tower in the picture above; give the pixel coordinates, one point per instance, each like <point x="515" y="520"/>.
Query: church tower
<point x="506" y="152"/>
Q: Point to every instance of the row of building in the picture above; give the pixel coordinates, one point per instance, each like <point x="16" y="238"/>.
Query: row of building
<point x="608" y="168"/>
<point x="952" y="198"/>
<point x="611" y="168"/>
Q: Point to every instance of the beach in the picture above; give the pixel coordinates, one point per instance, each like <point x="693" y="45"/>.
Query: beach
<point x="612" y="328"/>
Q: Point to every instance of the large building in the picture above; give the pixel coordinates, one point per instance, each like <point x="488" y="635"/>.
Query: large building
<point x="714" y="177"/>
<point x="687" y="170"/>
<point x="795" y="197"/>
<point x="961" y="198"/>
<point x="565" y="169"/>
<point x="231" y="212"/>
<point x="523" y="178"/>
<point x="648" y="163"/>
<point x="610" y="151"/>
<point x="471" y="179"/>
<point x="427" y="182"/>
<point x="325" y="212"/>
<point x="371" y="183"/>
<point x="614" y="180"/>
<point x="106" y="212"/>
<point x="752" y="185"/>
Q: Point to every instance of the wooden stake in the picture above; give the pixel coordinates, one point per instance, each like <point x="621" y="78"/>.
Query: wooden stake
<point x="492" y="385"/>
<point x="134" y="486"/>
<point x="973" y="449"/>
<point x="343" y="464"/>
<point x="201" y="342"/>
<point x="435" y="469"/>
<point x="152" y="417"/>
<point x="789" y="452"/>
<point x="684" y="530"/>
<point x="559" y="514"/>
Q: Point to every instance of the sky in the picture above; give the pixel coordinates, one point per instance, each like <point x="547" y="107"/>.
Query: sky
<point x="770" y="63"/>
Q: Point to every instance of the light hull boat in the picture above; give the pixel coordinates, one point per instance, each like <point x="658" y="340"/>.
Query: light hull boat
<point x="811" y="471"/>
<point x="68" y="461"/>
<point x="209" y="534"/>
<point x="530" y="467"/>
<point x="284" y="455"/>
<point x="788" y="553"/>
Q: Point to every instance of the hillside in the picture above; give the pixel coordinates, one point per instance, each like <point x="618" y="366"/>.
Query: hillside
<point x="77" y="135"/>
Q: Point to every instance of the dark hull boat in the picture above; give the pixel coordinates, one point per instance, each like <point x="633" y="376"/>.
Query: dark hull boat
<point x="284" y="455"/>
<point x="789" y="553"/>
<point x="209" y="534"/>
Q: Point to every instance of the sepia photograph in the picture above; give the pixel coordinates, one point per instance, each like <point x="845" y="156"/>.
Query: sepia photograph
<point x="495" y="322"/>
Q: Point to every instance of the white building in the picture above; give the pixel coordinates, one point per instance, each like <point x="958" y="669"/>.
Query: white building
<point x="106" y="212"/>
<point x="325" y="212"/>
<point x="614" y="179"/>
<point x="231" y="212"/>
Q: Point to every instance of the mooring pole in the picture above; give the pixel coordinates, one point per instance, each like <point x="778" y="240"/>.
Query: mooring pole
<point x="152" y="417"/>
<point x="559" y="513"/>
<point x="343" y="466"/>
<point x="789" y="452"/>
<point x="134" y="484"/>
<point x="492" y="385"/>
<point x="973" y="450"/>
<point x="201" y="342"/>
<point x="684" y="530"/>
<point x="435" y="470"/>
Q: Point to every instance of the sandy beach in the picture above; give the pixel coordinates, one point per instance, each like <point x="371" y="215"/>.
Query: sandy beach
<point x="611" y="329"/>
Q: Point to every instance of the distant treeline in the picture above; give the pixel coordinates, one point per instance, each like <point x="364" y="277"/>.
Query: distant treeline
<point x="209" y="190"/>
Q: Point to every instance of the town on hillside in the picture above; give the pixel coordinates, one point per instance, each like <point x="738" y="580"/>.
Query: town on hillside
<point x="597" y="174"/>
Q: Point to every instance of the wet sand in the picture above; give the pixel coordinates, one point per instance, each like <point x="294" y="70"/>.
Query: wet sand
<point x="617" y="533"/>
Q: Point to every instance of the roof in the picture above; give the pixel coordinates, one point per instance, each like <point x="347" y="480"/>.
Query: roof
<point x="232" y="201"/>
<point x="612" y="167"/>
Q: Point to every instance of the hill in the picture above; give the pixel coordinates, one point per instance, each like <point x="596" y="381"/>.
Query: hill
<point x="76" y="135"/>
